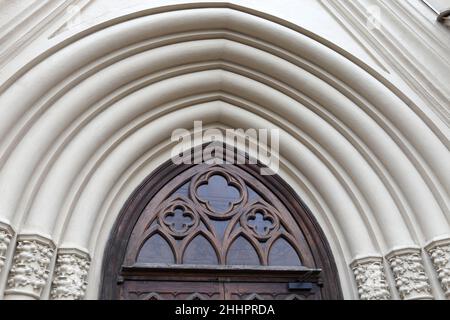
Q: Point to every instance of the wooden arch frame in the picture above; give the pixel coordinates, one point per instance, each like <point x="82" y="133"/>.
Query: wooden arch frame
<point x="117" y="244"/>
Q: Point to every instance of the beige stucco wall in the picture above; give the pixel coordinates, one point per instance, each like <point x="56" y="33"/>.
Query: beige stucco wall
<point x="91" y="91"/>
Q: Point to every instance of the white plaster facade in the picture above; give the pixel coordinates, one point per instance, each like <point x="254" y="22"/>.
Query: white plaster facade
<point x="90" y="91"/>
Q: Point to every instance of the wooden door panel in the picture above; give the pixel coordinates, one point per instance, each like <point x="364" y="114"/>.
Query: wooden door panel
<point x="265" y="291"/>
<point x="214" y="290"/>
<point x="218" y="283"/>
<point x="169" y="290"/>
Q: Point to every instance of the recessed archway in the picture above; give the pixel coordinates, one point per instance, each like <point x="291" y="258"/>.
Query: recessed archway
<point x="86" y="121"/>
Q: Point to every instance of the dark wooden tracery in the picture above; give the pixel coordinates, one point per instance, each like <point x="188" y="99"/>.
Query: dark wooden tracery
<point x="217" y="232"/>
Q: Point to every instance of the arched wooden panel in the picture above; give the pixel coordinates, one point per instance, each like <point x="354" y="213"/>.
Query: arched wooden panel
<point x="216" y="201"/>
<point x="217" y="215"/>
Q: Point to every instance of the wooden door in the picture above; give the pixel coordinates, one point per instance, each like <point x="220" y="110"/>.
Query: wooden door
<point x="162" y="282"/>
<point x="218" y="232"/>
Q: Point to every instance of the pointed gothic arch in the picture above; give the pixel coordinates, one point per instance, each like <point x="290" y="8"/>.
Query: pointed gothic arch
<point x="171" y="187"/>
<point x="89" y="117"/>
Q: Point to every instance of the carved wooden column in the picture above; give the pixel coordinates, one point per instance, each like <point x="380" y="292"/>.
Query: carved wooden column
<point x="70" y="276"/>
<point x="410" y="277"/>
<point x="439" y="252"/>
<point x="370" y="278"/>
<point x="30" y="269"/>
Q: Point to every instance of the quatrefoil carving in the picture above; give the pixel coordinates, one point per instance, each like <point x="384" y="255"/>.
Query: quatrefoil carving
<point x="261" y="224"/>
<point x="178" y="218"/>
<point x="219" y="192"/>
<point x="261" y="221"/>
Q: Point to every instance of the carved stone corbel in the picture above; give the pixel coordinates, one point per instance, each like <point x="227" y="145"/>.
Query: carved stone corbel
<point x="370" y="278"/>
<point x="439" y="252"/>
<point x="31" y="266"/>
<point x="6" y="234"/>
<point x="410" y="277"/>
<point x="70" y="276"/>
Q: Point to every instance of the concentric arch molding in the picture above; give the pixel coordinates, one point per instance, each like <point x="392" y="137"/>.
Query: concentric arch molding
<point x="439" y="252"/>
<point x="260" y="46"/>
<point x="70" y="275"/>
<point x="371" y="278"/>
<point x="409" y="273"/>
<point x="31" y="264"/>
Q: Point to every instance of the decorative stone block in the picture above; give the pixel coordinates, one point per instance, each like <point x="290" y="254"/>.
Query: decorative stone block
<point x="31" y="266"/>
<point x="439" y="252"/>
<point x="410" y="277"/>
<point x="6" y="234"/>
<point x="70" y="276"/>
<point x="371" y="279"/>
